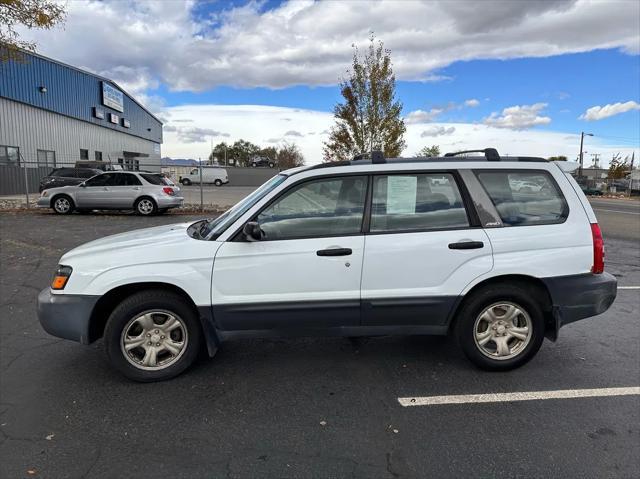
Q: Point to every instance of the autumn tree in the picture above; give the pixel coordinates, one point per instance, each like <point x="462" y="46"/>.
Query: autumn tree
<point x="430" y="151"/>
<point x="289" y="156"/>
<point x="618" y="168"/>
<point x="369" y="119"/>
<point x="16" y="15"/>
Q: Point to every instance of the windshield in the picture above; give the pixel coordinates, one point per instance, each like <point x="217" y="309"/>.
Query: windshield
<point x="211" y="229"/>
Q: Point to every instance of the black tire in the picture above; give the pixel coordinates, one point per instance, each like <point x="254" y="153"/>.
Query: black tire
<point x="518" y="295"/>
<point x="58" y="203"/>
<point x="138" y="304"/>
<point x="186" y="182"/>
<point x="218" y="182"/>
<point x="271" y="165"/>
<point x="145" y="206"/>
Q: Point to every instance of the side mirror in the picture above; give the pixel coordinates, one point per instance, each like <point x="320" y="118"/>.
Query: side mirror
<point x="83" y="185"/>
<point x="252" y="231"/>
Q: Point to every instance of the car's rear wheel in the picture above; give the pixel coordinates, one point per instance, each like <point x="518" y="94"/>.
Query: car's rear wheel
<point x="271" y="165"/>
<point x="218" y="182"/>
<point x="145" y="206"/>
<point x="152" y="336"/>
<point x="63" y="205"/>
<point x="501" y="327"/>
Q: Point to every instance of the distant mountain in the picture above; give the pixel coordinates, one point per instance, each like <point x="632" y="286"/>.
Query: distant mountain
<point x="166" y="161"/>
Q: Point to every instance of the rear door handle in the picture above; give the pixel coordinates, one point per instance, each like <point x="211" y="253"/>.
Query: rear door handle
<point x="334" y="252"/>
<point x="466" y="245"/>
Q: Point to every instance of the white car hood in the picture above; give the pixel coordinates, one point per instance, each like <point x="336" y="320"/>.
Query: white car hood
<point x="143" y="238"/>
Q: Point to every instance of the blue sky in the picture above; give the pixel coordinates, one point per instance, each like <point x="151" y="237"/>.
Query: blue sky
<point x="513" y="74"/>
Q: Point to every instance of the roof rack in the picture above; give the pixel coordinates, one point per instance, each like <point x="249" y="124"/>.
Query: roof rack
<point x="490" y="154"/>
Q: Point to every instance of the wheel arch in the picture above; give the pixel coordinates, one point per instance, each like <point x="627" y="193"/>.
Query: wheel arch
<point x="108" y="302"/>
<point x="536" y="286"/>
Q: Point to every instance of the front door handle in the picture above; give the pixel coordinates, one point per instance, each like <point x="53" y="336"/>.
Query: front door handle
<point x="466" y="245"/>
<point x="334" y="252"/>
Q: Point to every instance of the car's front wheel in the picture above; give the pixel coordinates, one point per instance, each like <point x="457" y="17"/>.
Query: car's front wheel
<point x="63" y="205"/>
<point x="152" y="336"/>
<point x="501" y="327"/>
<point x="218" y="182"/>
<point x="186" y="181"/>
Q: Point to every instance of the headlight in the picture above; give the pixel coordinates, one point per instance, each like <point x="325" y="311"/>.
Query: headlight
<point x="61" y="277"/>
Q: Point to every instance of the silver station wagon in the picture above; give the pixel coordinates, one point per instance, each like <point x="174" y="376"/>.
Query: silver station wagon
<point x="145" y="193"/>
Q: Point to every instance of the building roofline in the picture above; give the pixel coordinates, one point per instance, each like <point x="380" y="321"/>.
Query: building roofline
<point x="95" y="75"/>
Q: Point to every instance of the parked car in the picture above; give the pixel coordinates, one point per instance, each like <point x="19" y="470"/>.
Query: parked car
<point x="66" y="177"/>
<point x="145" y="193"/>
<point x="497" y="271"/>
<point x="99" y="165"/>
<point x="526" y="186"/>
<point x="210" y="175"/>
<point x="262" y="161"/>
<point x="591" y="190"/>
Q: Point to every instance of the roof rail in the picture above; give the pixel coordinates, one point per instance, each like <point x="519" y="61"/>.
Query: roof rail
<point x="490" y="154"/>
<point x="376" y="156"/>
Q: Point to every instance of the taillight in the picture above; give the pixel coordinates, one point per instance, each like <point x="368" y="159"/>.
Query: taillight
<point x="168" y="191"/>
<point x="598" y="249"/>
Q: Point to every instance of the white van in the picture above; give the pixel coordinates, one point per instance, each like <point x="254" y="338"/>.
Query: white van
<point x="210" y="174"/>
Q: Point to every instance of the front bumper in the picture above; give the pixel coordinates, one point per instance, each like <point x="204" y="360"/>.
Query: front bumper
<point x="44" y="202"/>
<point x="66" y="315"/>
<point x="580" y="296"/>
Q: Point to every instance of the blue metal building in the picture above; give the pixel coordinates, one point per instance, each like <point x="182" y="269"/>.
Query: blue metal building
<point x="52" y="115"/>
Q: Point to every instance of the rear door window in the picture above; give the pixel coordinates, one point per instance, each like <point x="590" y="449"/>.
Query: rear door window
<point x="524" y="198"/>
<point x="127" y="179"/>
<point x="416" y="202"/>
<point x="64" y="172"/>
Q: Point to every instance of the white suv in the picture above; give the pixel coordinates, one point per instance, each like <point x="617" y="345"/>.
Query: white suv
<point x="369" y="247"/>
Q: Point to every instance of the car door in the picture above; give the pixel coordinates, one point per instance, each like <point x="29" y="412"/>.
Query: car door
<point x="423" y="247"/>
<point x="96" y="191"/>
<point x="125" y="192"/>
<point x="305" y="273"/>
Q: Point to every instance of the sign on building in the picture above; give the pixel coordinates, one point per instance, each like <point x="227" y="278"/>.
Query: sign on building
<point x="112" y="97"/>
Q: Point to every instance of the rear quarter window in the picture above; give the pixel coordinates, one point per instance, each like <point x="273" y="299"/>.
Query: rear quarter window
<point x="524" y="197"/>
<point x="154" y="179"/>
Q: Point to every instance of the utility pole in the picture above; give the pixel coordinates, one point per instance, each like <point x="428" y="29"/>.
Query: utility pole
<point x="582" y="135"/>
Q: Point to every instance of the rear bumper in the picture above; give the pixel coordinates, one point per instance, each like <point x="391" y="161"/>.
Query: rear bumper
<point x="170" y="201"/>
<point x="66" y="315"/>
<point x="580" y="296"/>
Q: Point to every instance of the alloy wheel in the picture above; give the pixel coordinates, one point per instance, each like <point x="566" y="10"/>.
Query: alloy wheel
<point x="154" y="340"/>
<point x="502" y="330"/>
<point x="62" y="205"/>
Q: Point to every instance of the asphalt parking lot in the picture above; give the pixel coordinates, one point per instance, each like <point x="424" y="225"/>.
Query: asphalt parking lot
<point x="310" y="407"/>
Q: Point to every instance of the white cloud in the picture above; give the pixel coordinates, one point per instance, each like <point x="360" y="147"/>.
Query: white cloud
<point x="422" y="116"/>
<point x="305" y="42"/>
<point x="519" y="117"/>
<point x="472" y="103"/>
<point x="192" y="134"/>
<point x="259" y="124"/>
<point x="611" y="109"/>
<point x="437" y="131"/>
<point x="293" y="133"/>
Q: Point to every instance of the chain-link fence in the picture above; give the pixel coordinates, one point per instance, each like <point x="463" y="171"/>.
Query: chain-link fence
<point x="202" y="185"/>
<point x="608" y="186"/>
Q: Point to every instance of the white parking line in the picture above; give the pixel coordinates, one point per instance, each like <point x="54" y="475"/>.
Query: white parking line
<point x="521" y="396"/>
<point x="628" y="287"/>
<point x="617" y="211"/>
